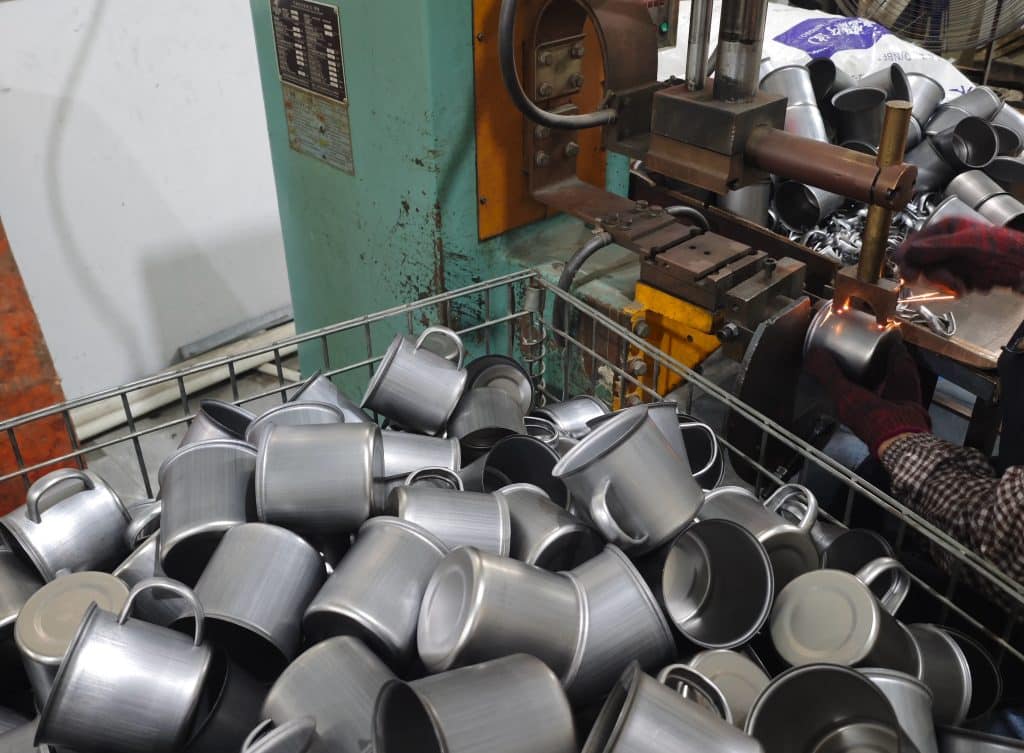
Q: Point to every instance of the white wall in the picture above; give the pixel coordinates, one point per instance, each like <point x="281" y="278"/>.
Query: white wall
<point x="135" y="178"/>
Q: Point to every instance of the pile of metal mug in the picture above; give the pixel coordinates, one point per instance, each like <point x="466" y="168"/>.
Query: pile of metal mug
<point x="966" y="150"/>
<point x="481" y="575"/>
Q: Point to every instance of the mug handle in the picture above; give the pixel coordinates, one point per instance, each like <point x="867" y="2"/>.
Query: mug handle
<point x="266" y="725"/>
<point x="679" y="677"/>
<point x="165" y="584"/>
<point x="46" y="483"/>
<point x="893" y="598"/>
<point x="806" y="499"/>
<point x="447" y="473"/>
<point x="460" y="348"/>
<point x="714" y="443"/>
<point x="601" y="514"/>
<point x="136" y="530"/>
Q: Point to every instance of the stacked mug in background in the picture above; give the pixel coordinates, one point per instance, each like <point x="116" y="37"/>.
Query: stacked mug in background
<point x="455" y="566"/>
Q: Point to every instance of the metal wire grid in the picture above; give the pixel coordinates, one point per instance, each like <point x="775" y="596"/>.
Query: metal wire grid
<point x="508" y="315"/>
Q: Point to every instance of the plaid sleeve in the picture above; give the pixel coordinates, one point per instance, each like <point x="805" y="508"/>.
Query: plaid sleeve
<point x="956" y="489"/>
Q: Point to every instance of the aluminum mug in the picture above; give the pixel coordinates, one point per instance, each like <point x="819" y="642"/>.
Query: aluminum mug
<point x="512" y="705"/>
<point x="925" y="95"/>
<point x="18" y="581"/>
<point x="855" y="339"/>
<point x="1003" y="210"/>
<point x="1010" y="141"/>
<point x="320" y="389"/>
<point x="478" y="606"/>
<point x="505" y="373"/>
<point x="206" y="488"/>
<point x="254" y="591"/>
<point x="792" y="82"/>
<point x="570" y="416"/>
<point x="517" y="460"/>
<point x="824" y="707"/>
<point x="703" y="452"/>
<point x="750" y="202"/>
<point x="801" y="206"/>
<point x="20" y="739"/>
<point x="231" y="709"/>
<point x="375" y="592"/>
<point x="1009" y="117"/>
<point x="457" y="518"/>
<point x="439" y="478"/>
<point x="416" y="388"/>
<point x="933" y="171"/>
<point x="740" y="680"/>
<point x="151" y="606"/>
<point x="944" y="669"/>
<point x="950" y="207"/>
<point x="71" y="520"/>
<point x="971" y="144"/>
<point x="829" y="615"/>
<point x="665" y="415"/>
<point x="336" y="682"/>
<point x="806" y="121"/>
<point x="981" y="102"/>
<point x="145" y="521"/>
<point x="323" y="478"/>
<point x="622" y="622"/>
<point x="217" y="419"/>
<point x="641" y="715"/>
<point x="861" y="110"/>
<point x="974" y="188"/>
<point x="405" y="453"/>
<point x="912" y="701"/>
<point x="483" y="416"/>
<point x="89" y="713"/>
<point x="955" y="740"/>
<point x="715" y="582"/>
<point x="292" y="414"/>
<point x="986" y="680"/>
<point x="893" y="80"/>
<point x="49" y="622"/>
<point x="639" y="511"/>
<point x="789" y="546"/>
<point x="828" y="81"/>
<point x="544" y="534"/>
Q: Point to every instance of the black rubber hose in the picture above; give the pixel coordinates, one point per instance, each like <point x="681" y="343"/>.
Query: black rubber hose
<point x="507" y="60"/>
<point x="569" y="272"/>
<point x="691" y="214"/>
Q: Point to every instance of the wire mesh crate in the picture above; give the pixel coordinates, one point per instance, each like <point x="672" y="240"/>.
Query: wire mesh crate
<point x="512" y="315"/>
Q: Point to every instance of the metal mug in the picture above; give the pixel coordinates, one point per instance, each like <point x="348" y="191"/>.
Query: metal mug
<point x="912" y="701"/>
<point x="622" y="622"/>
<point x="971" y="144"/>
<point x="217" y="419"/>
<point x="320" y="389"/>
<point x="750" y="202"/>
<point x="570" y="416"/>
<point x="955" y="740"/>
<point x="323" y="478"/>
<point x="416" y="388"/>
<point x="145" y="521"/>
<point x="665" y="415"/>
<point x="986" y="679"/>
<point x="439" y="478"/>
<point x="336" y="682"/>
<point x="980" y="102"/>
<point x="231" y="709"/>
<point x="944" y="669"/>
<point x="71" y="520"/>
<point x="478" y="606"/>
<point x="517" y="459"/>
<point x="806" y="121"/>
<point x="545" y="534"/>
<point x="1003" y="210"/>
<point x="714" y="581"/>
<point x="789" y="545"/>
<point x="513" y="705"/>
<point x="823" y="707"/>
<point x="638" y="511"/>
<point x="295" y="736"/>
<point x="504" y="373"/>
<point x="740" y="680"/>
<point x="405" y="453"/>
<point x="973" y="187"/>
<point x="206" y="489"/>
<point x="933" y="171"/>
<point x="144" y="562"/>
<point x="893" y="80"/>
<point x="859" y="344"/>
<point x="641" y="715"/>
<point x="49" y="621"/>
<point x="828" y="81"/>
<point x="88" y="712"/>
<point x="376" y="590"/>
<point x="292" y="414"/>
<point x="483" y="416"/>
<point x="18" y="581"/>
<point x="950" y="207"/>
<point x="254" y="591"/>
<point x="702" y="450"/>
<point x="1010" y="141"/>
<point x="542" y="429"/>
<point x="861" y="110"/>
<point x="457" y="518"/>
<point x="925" y="95"/>
<point x="792" y="82"/>
<point x="833" y="616"/>
<point x="801" y="206"/>
<point x="1009" y="117"/>
<point x="20" y="738"/>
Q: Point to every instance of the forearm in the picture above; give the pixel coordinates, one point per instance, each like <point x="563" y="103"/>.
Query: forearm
<point x="957" y="490"/>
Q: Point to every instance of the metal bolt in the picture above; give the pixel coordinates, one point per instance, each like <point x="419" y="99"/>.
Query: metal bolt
<point x="728" y="332"/>
<point x="545" y="58"/>
<point x="577" y="50"/>
<point x="576" y="81"/>
<point x="633" y="400"/>
<point x="545" y="90"/>
<point x="641" y="328"/>
<point x="541" y="159"/>
<point x="637" y="367"/>
<point x="641" y="205"/>
<point x="769" y="268"/>
<point x="572" y="149"/>
<point x="479" y="36"/>
<point x="541" y="132"/>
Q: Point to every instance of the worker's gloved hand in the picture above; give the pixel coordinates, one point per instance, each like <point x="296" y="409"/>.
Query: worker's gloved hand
<point x="964" y="256"/>
<point x="875" y="417"/>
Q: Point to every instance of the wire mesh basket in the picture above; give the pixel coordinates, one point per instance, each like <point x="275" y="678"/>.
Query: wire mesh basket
<point x="587" y="352"/>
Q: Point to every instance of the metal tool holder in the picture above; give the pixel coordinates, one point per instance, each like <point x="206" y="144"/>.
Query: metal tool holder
<point x="511" y="315"/>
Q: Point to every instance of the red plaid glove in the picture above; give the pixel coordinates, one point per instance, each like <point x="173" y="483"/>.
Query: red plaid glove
<point x="874" y="417"/>
<point x="964" y="255"/>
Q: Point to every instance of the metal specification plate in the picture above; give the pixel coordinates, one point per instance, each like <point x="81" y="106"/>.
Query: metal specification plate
<point x="308" y="40"/>
<point x="318" y="127"/>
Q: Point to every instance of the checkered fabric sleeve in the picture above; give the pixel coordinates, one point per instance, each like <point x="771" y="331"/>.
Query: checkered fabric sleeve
<point x="957" y="490"/>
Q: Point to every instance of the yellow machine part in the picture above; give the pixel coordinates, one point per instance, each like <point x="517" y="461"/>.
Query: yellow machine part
<point x="678" y="328"/>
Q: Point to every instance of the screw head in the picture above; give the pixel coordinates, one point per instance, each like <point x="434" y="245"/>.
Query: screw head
<point x="541" y="132"/>
<point x="641" y="328"/>
<point x="577" y="50"/>
<point x="545" y="58"/>
<point x="641" y="204"/>
<point x="576" y="81"/>
<point x="479" y="36"/>
<point x="541" y="159"/>
<point x="633" y="400"/>
<point x="572" y="149"/>
<point x="637" y="367"/>
<point x="545" y="89"/>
